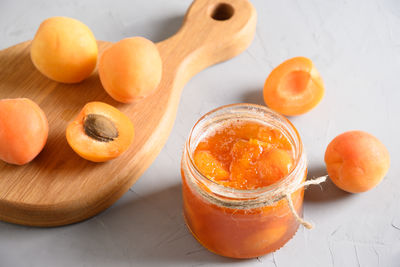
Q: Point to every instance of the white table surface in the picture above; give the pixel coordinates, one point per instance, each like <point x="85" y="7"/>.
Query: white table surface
<point x="356" y="47"/>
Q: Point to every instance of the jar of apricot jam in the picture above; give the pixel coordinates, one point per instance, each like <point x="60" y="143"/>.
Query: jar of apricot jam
<point x="237" y="163"/>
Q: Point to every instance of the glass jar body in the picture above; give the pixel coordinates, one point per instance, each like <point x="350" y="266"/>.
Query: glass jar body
<point x="230" y="223"/>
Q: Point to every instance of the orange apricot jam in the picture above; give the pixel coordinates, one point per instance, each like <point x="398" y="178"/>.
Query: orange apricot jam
<point x="236" y="161"/>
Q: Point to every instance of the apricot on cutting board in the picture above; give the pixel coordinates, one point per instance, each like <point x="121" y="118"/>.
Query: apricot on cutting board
<point x="64" y="49"/>
<point x="23" y="130"/>
<point x="130" y="69"/>
<point x="356" y="161"/>
<point x="294" y="87"/>
<point x="100" y="132"/>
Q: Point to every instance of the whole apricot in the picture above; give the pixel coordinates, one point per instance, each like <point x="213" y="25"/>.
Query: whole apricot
<point x="23" y="130"/>
<point x="130" y="69"/>
<point x="64" y="50"/>
<point x="356" y="161"/>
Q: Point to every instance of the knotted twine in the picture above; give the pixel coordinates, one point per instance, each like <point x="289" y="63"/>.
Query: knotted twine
<point x="303" y="222"/>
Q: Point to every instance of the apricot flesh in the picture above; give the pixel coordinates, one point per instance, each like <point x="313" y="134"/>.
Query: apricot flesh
<point x="64" y="49"/>
<point x="294" y="87"/>
<point x="130" y="69"/>
<point x="356" y="161"/>
<point x="23" y="130"/>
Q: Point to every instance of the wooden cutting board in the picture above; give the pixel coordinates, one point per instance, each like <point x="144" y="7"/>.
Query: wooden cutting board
<point x="58" y="187"/>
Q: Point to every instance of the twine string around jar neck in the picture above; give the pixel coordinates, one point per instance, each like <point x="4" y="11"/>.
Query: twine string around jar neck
<point x="293" y="189"/>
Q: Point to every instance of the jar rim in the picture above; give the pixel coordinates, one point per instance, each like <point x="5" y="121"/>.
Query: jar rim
<point x="287" y="128"/>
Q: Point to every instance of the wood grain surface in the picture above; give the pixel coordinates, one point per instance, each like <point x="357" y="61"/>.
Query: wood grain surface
<point x="58" y="187"/>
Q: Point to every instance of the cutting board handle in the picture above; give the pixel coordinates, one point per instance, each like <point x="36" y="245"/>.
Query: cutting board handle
<point x="212" y="31"/>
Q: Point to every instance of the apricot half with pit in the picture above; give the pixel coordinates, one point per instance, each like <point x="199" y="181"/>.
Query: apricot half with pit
<point x="100" y="132"/>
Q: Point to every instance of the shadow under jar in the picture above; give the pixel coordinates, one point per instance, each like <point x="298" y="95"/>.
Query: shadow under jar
<point x="234" y="222"/>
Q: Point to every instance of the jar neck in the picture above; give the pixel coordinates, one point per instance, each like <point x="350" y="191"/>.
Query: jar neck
<point x="231" y="197"/>
<point x="242" y="199"/>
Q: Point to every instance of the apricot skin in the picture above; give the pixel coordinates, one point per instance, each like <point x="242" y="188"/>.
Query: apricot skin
<point x="356" y="161"/>
<point x="23" y="130"/>
<point x="130" y="69"/>
<point x="64" y="50"/>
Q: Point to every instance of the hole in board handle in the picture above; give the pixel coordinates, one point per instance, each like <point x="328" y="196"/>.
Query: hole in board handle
<point x="222" y="11"/>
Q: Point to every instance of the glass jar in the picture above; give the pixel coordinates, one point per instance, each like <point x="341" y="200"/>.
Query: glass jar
<point x="241" y="223"/>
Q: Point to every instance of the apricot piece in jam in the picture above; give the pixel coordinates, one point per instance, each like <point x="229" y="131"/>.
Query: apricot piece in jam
<point x="245" y="155"/>
<point x="210" y="166"/>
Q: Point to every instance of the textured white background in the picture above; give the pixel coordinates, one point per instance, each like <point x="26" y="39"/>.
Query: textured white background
<point x="356" y="47"/>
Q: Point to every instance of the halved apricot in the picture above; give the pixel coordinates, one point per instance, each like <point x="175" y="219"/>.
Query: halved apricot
<point x="100" y="132"/>
<point x="294" y="87"/>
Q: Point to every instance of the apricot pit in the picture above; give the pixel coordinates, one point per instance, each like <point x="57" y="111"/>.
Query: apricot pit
<point x="100" y="128"/>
